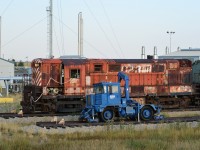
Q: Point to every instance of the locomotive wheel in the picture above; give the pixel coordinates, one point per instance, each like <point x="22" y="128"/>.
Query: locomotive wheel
<point x="185" y="101"/>
<point x="107" y="115"/>
<point x="146" y="113"/>
<point x="25" y="107"/>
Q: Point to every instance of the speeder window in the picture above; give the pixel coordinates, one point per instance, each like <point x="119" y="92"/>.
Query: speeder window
<point x="99" y="89"/>
<point x="113" y="89"/>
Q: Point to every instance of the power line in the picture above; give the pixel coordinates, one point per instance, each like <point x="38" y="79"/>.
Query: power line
<point x="57" y="41"/>
<point x="65" y="25"/>
<point x="7" y="7"/>
<point x="112" y="29"/>
<point x="101" y="28"/>
<point x="88" y="43"/>
<point x="19" y="35"/>
<point x="59" y="7"/>
<point x="62" y="34"/>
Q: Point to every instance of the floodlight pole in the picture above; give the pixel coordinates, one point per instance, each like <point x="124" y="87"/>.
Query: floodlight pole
<point x="170" y="39"/>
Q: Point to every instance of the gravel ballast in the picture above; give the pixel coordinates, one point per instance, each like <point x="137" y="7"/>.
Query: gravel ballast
<point x="27" y="124"/>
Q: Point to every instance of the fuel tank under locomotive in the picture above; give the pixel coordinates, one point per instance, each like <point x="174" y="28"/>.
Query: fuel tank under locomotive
<point x="35" y="101"/>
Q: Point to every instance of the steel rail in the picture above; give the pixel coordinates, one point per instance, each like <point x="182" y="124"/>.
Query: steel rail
<point x="72" y="124"/>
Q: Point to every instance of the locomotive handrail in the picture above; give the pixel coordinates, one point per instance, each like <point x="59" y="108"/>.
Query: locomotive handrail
<point x="57" y="81"/>
<point x="32" y="99"/>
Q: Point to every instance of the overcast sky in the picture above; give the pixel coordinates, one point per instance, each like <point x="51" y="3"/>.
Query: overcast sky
<point x="112" y="28"/>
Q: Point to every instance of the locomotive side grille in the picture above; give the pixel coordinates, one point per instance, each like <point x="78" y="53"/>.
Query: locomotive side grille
<point x="93" y="100"/>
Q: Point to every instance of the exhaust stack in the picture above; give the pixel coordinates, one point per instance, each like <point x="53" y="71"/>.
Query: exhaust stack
<point x="80" y="34"/>
<point x="166" y="50"/>
<point x="155" y="56"/>
<point x="143" y="53"/>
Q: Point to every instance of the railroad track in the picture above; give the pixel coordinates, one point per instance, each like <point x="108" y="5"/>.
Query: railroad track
<point x="46" y="114"/>
<point x="14" y="115"/>
<point x="72" y="124"/>
<point x="181" y="109"/>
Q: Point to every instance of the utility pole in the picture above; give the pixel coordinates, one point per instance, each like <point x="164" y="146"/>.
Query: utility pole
<point x="50" y="28"/>
<point x="80" y="34"/>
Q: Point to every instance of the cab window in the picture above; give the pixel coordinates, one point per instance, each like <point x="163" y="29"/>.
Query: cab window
<point x="99" y="90"/>
<point x="75" y="73"/>
<point x="113" y="89"/>
<point x="98" y="68"/>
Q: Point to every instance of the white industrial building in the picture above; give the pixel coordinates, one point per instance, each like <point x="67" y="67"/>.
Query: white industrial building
<point x="6" y="71"/>
<point x="191" y="54"/>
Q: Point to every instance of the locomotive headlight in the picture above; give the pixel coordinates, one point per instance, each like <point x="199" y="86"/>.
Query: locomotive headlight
<point x="52" y="91"/>
<point x="55" y="90"/>
<point x="37" y="65"/>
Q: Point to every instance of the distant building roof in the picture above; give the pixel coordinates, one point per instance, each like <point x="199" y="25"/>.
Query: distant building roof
<point x="11" y="78"/>
<point x="191" y="54"/>
<point x="7" y="60"/>
<point x="184" y="52"/>
<point x="71" y="57"/>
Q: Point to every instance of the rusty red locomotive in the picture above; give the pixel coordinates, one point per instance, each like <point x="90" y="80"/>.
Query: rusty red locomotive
<point x="60" y="85"/>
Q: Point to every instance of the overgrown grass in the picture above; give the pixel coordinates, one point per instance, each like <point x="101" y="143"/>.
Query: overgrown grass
<point x="181" y="114"/>
<point x="178" y="136"/>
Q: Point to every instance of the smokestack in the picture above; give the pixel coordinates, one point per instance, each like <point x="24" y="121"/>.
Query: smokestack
<point x="178" y="48"/>
<point x="155" y="56"/>
<point x="80" y="34"/>
<point x="50" y="28"/>
<point x="166" y="50"/>
<point x="143" y="53"/>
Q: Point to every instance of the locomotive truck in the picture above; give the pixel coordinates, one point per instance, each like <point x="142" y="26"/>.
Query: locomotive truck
<point x="107" y="102"/>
